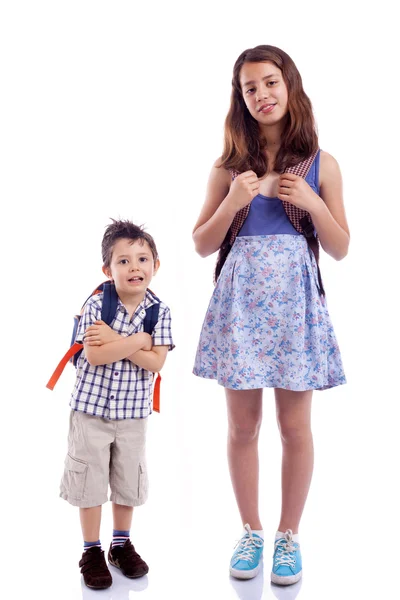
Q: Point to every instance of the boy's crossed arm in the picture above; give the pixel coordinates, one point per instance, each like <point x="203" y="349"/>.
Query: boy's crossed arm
<point x="103" y="345"/>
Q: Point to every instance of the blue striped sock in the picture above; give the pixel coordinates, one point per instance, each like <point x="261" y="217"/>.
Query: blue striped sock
<point x="87" y="545"/>
<point x="119" y="537"/>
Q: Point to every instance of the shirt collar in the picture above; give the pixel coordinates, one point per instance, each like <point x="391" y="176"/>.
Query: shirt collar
<point x="149" y="299"/>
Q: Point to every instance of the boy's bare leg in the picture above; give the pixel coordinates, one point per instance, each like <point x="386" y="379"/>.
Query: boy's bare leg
<point x="125" y="557"/>
<point x="90" y="523"/>
<point x="122" y="516"/>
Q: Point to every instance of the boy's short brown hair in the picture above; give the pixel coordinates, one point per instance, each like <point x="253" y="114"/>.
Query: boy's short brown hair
<point x="124" y="230"/>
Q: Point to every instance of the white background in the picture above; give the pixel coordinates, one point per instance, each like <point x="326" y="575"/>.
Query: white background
<point x="116" y="109"/>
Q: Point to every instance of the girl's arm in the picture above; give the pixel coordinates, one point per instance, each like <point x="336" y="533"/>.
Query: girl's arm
<point x="117" y="350"/>
<point x="223" y="200"/>
<point x="329" y="216"/>
<point x="152" y="360"/>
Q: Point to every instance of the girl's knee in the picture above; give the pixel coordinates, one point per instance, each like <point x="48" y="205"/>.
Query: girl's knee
<point x="244" y="433"/>
<point x="294" y="432"/>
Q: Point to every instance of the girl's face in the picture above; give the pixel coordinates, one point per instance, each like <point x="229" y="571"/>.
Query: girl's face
<point x="264" y="92"/>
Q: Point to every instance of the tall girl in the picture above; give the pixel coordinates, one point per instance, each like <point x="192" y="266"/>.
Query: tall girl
<point x="272" y="197"/>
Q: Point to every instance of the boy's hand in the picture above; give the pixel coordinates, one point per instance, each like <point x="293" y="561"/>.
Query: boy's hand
<point x="99" y="333"/>
<point x="148" y="341"/>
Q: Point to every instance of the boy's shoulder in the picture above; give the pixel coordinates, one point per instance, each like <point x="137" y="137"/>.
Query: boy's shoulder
<point x="94" y="301"/>
<point x="151" y="298"/>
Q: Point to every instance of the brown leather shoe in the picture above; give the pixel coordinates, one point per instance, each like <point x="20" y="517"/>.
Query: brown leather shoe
<point x="94" y="569"/>
<point x="128" y="560"/>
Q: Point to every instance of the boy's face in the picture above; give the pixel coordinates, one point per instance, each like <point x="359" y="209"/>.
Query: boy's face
<point x="132" y="267"/>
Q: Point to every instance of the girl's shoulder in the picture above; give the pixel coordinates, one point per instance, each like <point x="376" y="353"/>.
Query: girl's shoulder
<point x="328" y="167"/>
<point x="220" y="173"/>
<point x="327" y="161"/>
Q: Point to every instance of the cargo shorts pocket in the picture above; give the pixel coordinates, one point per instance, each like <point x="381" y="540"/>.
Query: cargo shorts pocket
<point x="74" y="478"/>
<point x="143" y="483"/>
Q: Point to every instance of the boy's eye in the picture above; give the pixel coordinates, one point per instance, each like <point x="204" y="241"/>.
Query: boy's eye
<point x="143" y="259"/>
<point x="123" y="261"/>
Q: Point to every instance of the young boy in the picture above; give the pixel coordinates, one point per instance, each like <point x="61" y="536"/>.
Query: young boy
<point x="111" y="401"/>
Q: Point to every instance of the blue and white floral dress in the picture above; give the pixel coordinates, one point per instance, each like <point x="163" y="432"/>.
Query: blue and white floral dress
<point x="267" y="325"/>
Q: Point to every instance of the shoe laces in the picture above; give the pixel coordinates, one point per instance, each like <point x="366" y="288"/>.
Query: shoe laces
<point x="285" y="550"/>
<point x="248" y="545"/>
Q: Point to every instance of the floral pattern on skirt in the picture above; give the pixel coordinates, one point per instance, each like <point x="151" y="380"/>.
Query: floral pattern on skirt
<point x="266" y="324"/>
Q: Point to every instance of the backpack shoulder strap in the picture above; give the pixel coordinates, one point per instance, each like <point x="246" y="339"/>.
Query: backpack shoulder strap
<point x="108" y="311"/>
<point x="301" y="219"/>
<point x="150" y="321"/>
<point x="109" y="303"/>
<point x="302" y="168"/>
<point x="151" y="318"/>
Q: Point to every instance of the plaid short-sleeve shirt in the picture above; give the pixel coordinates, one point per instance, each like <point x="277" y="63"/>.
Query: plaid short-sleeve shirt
<point x="120" y="390"/>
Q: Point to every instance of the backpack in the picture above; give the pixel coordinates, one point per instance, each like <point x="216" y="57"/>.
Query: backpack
<point x="108" y="312"/>
<point x="300" y="219"/>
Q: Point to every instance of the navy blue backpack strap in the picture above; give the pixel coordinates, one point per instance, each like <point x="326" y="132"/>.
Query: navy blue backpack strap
<point x="109" y="303"/>
<point x="108" y="311"/>
<point x="151" y="318"/>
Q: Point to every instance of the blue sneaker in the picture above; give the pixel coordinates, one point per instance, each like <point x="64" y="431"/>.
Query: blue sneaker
<point x="287" y="566"/>
<point x="245" y="562"/>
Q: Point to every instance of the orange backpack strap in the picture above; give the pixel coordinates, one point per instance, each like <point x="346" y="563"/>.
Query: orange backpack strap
<point x="61" y="365"/>
<point x="156" y="393"/>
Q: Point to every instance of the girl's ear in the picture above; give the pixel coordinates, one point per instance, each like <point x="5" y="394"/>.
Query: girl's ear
<point x="107" y="272"/>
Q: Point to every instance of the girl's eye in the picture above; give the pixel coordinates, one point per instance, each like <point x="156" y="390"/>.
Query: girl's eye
<point x="272" y="82"/>
<point x="250" y="91"/>
<point x="143" y="259"/>
<point x="123" y="261"/>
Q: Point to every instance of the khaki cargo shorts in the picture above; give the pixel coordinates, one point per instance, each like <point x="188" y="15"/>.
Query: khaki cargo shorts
<point x="102" y="452"/>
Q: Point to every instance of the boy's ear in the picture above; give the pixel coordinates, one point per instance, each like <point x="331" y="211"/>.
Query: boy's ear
<point x="156" y="266"/>
<point x="107" y="272"/>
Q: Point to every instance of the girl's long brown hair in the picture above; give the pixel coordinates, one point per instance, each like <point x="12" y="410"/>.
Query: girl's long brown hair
<point x="244" y="145"/>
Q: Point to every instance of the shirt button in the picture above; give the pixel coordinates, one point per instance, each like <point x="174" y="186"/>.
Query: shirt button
<point x="112" y="397"/>
<point x="116" y="373"/>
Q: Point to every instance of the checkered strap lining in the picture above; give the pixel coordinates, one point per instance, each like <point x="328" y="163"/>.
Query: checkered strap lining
<point x="300" y="219"/>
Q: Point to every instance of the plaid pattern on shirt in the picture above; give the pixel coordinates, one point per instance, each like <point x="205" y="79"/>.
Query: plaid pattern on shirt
<point x="120" y="390"/>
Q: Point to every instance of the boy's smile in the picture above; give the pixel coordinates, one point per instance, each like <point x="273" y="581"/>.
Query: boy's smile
<point x="131" y="268"/>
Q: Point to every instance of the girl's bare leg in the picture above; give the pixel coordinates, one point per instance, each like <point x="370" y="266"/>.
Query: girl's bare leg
<point x="244" y="421"/>
<point x="293" y="411"/>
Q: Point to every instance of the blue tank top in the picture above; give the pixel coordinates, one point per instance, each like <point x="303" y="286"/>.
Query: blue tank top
<point x="267" y="215"/>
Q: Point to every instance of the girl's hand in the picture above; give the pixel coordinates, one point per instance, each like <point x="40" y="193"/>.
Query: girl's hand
<point x="99" y="333"/>
<point x="243" y="189"/>
<point x="295" y="189"/>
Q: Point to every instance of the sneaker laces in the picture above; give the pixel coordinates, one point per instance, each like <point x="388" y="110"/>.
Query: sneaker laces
<point x="285" y="550"/>
<point x="247" y="545"/>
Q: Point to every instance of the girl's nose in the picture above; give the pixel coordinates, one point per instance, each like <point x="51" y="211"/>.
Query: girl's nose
<point x="262" y="94"/>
